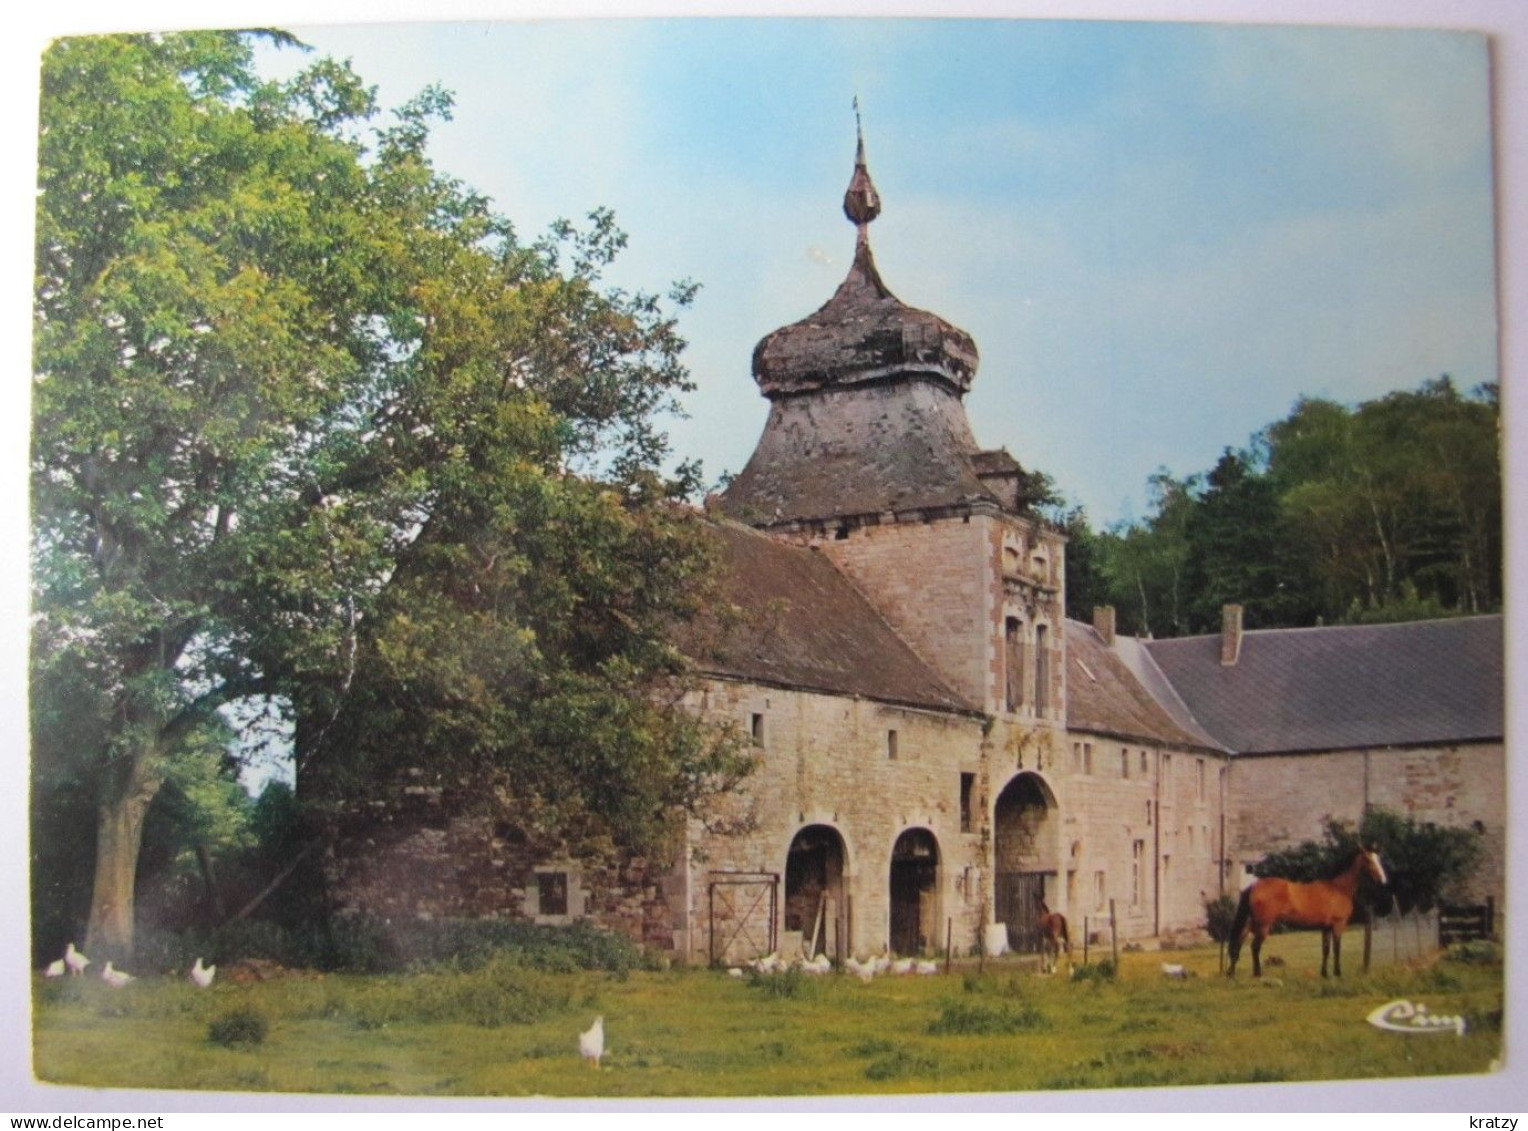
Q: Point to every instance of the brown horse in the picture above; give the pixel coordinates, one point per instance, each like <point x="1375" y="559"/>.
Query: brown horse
<point x="1327" y="904"/>
<point x="1053" y="936"/>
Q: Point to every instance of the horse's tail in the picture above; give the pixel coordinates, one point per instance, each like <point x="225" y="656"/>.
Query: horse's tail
<point x="1239" y="925"/>
<point x="1066" y="938"/>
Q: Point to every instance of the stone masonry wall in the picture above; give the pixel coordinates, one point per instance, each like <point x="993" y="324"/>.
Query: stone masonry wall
<point x="1459" y="786"/>
<point x="421" y="858"/>
<point x="825" y="760"/>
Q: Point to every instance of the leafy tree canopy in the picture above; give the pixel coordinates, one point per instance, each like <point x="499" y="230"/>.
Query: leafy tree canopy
<point x="313" y="425"/>
<point x="1424" y="862"/>
<point x="1390" y="510"/>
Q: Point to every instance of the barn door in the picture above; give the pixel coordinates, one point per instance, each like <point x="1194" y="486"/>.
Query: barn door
<point x="1017" y="894"/>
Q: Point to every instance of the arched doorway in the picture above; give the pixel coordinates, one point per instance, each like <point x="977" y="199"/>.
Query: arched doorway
<point x="814" y="890"/>
<point x="915" y="892"/>
<point x="1024" y="858"/>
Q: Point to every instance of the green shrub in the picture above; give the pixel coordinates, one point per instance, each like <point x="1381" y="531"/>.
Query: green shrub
<point x="1219" y="914"/>
<point x="1477" y="952"/>
<point x="244" y="1027"/>
<point x="965" y="1018"/>
<point x="1095" y="972"/>
<point x="901" y="1063"/>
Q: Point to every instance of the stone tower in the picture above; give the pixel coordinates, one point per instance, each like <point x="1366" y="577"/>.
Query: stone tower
<point x="868" y="455"/>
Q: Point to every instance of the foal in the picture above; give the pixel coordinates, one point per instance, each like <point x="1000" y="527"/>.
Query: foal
<point x="1053" y="936"/>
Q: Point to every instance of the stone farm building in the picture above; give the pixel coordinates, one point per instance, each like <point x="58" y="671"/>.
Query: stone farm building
<point x="937" y="743"/>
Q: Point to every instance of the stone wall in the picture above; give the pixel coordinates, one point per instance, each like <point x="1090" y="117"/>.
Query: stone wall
<point x="1135" y="828"/>
<point x="1282" y="800"/>
<point x="422" y="857"/>
<point x="827" y="761"/>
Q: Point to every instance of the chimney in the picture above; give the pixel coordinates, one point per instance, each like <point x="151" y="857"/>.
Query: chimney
<point x="1103" y="623"/>
<point x="1230" y="635"/>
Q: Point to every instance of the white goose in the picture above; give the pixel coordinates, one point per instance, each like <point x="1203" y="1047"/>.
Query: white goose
<point x="202" y="975"/>
<point x="55" y="969"/>
<point x="118" y="978"/>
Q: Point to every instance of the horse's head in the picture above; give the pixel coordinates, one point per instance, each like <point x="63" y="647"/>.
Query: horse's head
<point x="1372" y="867"/>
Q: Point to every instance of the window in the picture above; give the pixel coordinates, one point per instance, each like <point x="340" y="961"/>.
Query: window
<point x="1087" y="757"/>
<point x="756" y="729"/>
<point x="552" y="893"/>
<point x="1191" y="839"/>
<point x="1167" y="772"/>
<point x="1013" y="653"/>
<point x="1098" y="889"/>
<point x="1124" y="764"/>
<point x="967" y="784"/>
<point x="1199" y="776"/>
<point x="1042" y="669"/>
<point x="1137" y="857"/>
<point x="1076" y="757"/>
<point x="1143" y="763"/>
<point x="891" y="745"/>
<point x="1148" y="814"/>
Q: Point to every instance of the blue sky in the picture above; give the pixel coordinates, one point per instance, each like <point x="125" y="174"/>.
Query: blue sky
<point x="1160" y="235"/>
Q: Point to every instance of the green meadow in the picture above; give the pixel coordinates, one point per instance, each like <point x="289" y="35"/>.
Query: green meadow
<point x="504" y="1029"/>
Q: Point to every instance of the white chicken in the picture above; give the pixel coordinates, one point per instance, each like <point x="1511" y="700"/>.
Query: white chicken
<point x="591" y="1042"/>
<point x="118" y="978"/>
<point x="1174" y="970"/>
<point x="927" y="966"/>
<point x="203" y="975"/>
<point x="74" y="960"/>
<point x="734" y="971"/>
<point x="822" y="964"/>
<point x="55" y="969"/>
<point x="902" y="966"/>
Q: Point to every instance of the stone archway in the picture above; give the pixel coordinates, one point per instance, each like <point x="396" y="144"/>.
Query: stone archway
<point x="915" y="892"/>
<point x="815" y="866"/>
<point x="1025" y="860"/>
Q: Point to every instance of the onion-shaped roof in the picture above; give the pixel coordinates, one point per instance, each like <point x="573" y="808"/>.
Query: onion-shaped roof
<point x="864" y="332"/>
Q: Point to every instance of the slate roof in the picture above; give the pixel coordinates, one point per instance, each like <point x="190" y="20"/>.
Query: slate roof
<point x="797" y="622"/>
<point x="862" y="451"/>
<point x="1104" y="696"/>
<point x="1344" y="687"/>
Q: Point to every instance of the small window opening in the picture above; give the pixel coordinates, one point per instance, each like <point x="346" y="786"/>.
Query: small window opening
<point x="967" y="784"/>
<point x="1124" y="764"/>
<point x="891" y="745"/>
<point x="756" y="729"/>
<point x="552" y="893"/>
<point x="841" y="533"/>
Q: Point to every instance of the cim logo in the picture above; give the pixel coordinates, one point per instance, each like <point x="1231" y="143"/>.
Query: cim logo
<point x="1404" y="1017"/>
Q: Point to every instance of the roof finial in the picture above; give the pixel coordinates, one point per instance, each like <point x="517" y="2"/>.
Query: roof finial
<point x="862" y="203"/>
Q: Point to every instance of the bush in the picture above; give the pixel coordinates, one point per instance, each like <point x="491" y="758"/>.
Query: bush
<point x="368" y="946"/>
<point x="1219" y="914"/>
<point x="972" y="1018"/>
<point x="1477" y="952"/>
<point x="244" y="1027"/>
<point x="1103" y="971"/>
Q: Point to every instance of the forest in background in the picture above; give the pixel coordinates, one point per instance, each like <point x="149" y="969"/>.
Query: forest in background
<point x="1386" y="511"/>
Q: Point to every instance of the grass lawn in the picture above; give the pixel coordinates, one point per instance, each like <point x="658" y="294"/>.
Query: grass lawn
<point x="507" y="1031"/>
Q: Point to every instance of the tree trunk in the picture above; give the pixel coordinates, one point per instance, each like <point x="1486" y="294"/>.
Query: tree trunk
<point x="119" y="835"/>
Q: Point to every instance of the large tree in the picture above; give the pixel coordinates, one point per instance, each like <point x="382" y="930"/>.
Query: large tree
<point x="307" y="411"/>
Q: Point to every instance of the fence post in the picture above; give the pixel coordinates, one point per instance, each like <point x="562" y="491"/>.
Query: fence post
<point x="1084" y="940"/>
<point x="1113" y="937"/>
<point x="1368" y="937"/>
<point x="949" y="926"/>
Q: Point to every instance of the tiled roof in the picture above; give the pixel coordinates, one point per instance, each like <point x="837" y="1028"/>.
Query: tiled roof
<point x="1344" y="687"/>
<point x="796" y="621"/>
<point x="1106" y="697"/>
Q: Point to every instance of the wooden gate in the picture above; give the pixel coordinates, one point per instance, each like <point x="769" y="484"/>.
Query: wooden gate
<point x="743" y="916"/>
<point x="1016" y="895"/>
<point x="1465" y="924"/>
